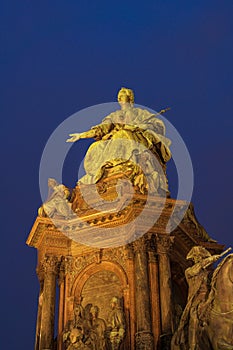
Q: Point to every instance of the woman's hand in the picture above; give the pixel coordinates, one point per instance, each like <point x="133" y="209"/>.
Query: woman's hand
<point x="74" y="137"/>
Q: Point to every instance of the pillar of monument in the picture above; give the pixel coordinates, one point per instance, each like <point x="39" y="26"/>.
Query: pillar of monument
<point x="61" y="284"/>
<point x="144" y="336"/>
<point x="164" y="244"/>
<point x="154" y="294"/>
<point x="40" y="275"/>
<point x="48" y="304"/>
<point x="64" y="270"/>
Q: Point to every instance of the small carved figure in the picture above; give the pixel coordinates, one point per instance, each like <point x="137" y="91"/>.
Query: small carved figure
<point x="87" y="320"/>
<point x="76" y="340"/>
<point x="57" y="203"/>
<point x="78" y="316"/>
<point x="116" y="328"/>
<point x="187" y="336"/>
<point x="73" y="335"/>
<point x="98" y="328"/>
<point x="119" y="135"/>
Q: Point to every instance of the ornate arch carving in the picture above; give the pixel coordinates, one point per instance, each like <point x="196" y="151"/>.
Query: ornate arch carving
<point x="93" y="268"/>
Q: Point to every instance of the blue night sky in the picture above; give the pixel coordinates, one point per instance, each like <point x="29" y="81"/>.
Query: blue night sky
<point x="58" y="57"/>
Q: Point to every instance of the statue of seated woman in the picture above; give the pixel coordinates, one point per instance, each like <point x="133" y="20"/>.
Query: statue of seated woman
<point x="130" y="139"/>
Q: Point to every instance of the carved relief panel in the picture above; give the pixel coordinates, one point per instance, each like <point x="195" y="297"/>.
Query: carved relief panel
<point x="98" y="321"/>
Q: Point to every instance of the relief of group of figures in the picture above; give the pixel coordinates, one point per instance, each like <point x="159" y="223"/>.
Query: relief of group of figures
<point x="88" y="331"/>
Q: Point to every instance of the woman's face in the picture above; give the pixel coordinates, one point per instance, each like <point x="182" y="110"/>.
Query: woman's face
<point x="52" y="183"/>
<point x="123" y="98"/>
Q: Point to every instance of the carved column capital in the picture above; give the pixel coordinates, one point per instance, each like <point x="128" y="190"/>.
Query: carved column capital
<point x="151" y="248"/>
<point x="66" y="266"/>
<point x="144" y="340"/>
<point x="50" y="264"/>
<point x="164" y="243"/>
<point x="140" y="245"/>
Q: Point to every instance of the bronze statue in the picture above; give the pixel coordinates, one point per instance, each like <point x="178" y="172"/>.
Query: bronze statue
<point x="218" y="317"/>
<point x="189" y="335"/>
<point x="121" y="140"/>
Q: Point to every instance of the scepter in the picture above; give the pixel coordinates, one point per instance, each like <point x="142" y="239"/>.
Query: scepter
<point x="159" y="113"/>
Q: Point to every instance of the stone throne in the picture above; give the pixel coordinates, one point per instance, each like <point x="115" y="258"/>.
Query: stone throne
<point x="122" y="290"/>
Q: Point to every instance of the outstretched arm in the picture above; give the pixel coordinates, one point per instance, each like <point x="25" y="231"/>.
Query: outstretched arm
<point x="96" y="132"/>
<point x="213" y="258"/>
<point x="198" y="267"/>
<point x="84" y="135"/>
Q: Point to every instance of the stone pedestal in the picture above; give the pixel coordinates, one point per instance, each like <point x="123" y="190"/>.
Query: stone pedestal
<point x="145" y="276"/>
